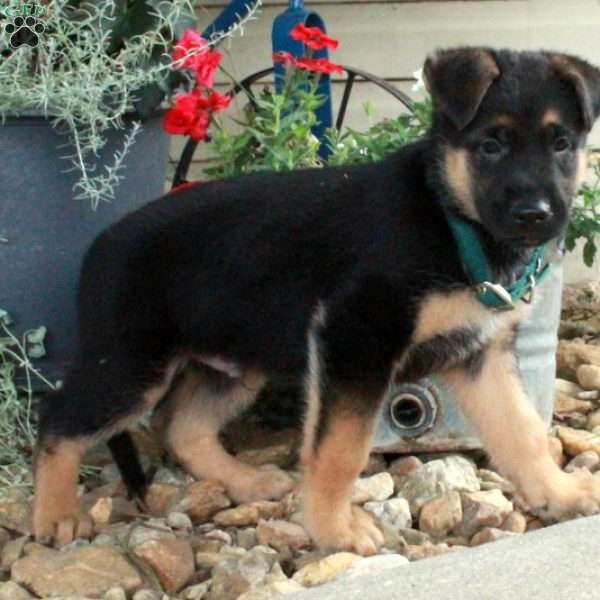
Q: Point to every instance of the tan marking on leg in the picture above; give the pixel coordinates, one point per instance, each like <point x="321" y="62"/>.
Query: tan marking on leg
<point x="458" y="178"/>
<point x="56" y="511"/>
<point x="198" y="411"/>
<point x="329" y="475"/>
<point x="515" y="437"/>
<point x="312" y="385"/>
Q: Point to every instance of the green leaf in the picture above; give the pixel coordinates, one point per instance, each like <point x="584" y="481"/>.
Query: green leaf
<point x="589" y="252"/>
<point x="36" y="336"/>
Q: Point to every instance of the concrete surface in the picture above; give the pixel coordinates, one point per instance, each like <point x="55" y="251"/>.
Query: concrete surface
<point x="557" y="563"/>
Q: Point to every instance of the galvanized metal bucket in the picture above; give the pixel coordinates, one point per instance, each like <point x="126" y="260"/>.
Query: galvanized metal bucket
<point x="425" y="416"/>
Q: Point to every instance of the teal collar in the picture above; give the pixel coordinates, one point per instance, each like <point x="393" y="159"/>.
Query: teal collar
<point x="490" y="294"/>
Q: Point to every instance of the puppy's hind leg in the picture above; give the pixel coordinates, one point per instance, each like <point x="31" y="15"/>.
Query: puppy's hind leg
<point x="93" y="406"/>
<point x="197" y="410"/>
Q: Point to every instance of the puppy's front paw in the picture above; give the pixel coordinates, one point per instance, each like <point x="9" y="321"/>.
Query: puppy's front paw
<point x="565" y="495"/>
<point x="350" y="529"/>
<point x="61" y="526"/>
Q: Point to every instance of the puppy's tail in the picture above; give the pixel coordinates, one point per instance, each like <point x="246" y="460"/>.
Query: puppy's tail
<point x="127" y="459"/>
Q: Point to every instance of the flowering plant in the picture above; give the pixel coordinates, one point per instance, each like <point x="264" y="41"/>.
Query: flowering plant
<point x="94" y="64"/>
<point x="276" y="134"/>
<point x="192" y="113"/>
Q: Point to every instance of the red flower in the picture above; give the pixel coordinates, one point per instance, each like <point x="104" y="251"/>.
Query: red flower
<point x="191" y="42"/>
<point x="283" y="58"/>
<point x="218" y="102"/>
<point x="313" y="37"/>
<point x="205" y="65"/>
<point x="318" y="65"/>
<point x="180" y="119"/>
<point x="199" y="129"/>
<point x="193" y="113"/>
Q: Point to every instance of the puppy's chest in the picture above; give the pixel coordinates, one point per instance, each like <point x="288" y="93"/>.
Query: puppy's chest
<point x="453" y="330"/>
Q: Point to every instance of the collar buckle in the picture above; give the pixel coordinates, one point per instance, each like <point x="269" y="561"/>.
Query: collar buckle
<point x="501" y="293"/>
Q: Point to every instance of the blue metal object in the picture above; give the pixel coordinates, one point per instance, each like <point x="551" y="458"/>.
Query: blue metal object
<point x="235" y="11"/>
<point x="283" y="42"/>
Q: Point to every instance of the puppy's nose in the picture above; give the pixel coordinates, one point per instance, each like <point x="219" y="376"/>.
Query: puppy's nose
<point x="536" y="213"/>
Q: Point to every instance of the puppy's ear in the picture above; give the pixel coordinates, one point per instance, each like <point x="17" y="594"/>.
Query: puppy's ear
<point x="585" y="80"/>
<point x="458" y="80"/>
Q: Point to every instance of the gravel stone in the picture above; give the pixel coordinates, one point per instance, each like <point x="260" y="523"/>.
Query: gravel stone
<point x="586" y="460"/>
<point x="374" y="488"/>
<point x="9" y="590"/>
<point x="202" y="500"/>
<point x="116" y="593"/>
<point x="436" y="478"/>
<point x="490" y="534"/>
<point x="588" y="377"/>
<point x="89" y="570"/>
<point x="179" y="520"/>
<point x="440" y="515"/>
<point x="515" y="522"/>
<point x="281" y="534"/>
<point x="171" y="560"/>
<point x="326" y="569"/>
<point x="394" y="512"/>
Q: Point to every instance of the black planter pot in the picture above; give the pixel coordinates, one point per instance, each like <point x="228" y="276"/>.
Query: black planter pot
<point x="47" y="231"/>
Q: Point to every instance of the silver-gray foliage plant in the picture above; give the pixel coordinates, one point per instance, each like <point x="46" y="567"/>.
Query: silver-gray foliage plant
<point x="86" y="84"/>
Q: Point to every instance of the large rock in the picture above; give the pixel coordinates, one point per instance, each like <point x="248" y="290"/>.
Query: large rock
<point x="89" y="571"/>
<point x="437" y="478"/>
<point x="171" y="560"/>
<point x="202" y="500"/>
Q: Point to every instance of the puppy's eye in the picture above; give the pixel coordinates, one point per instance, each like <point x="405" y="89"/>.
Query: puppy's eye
<point x="490" y="147"/>
<point x="561" y="144"/>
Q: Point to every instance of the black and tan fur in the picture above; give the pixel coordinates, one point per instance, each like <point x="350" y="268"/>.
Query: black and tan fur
<point x="333" y="276"/>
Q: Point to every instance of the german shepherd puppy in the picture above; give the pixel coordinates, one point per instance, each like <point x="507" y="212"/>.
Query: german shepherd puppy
<point x="333" y="275"/>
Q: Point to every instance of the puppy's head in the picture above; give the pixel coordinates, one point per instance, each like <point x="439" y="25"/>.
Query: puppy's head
<point x="511" y="127"/>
